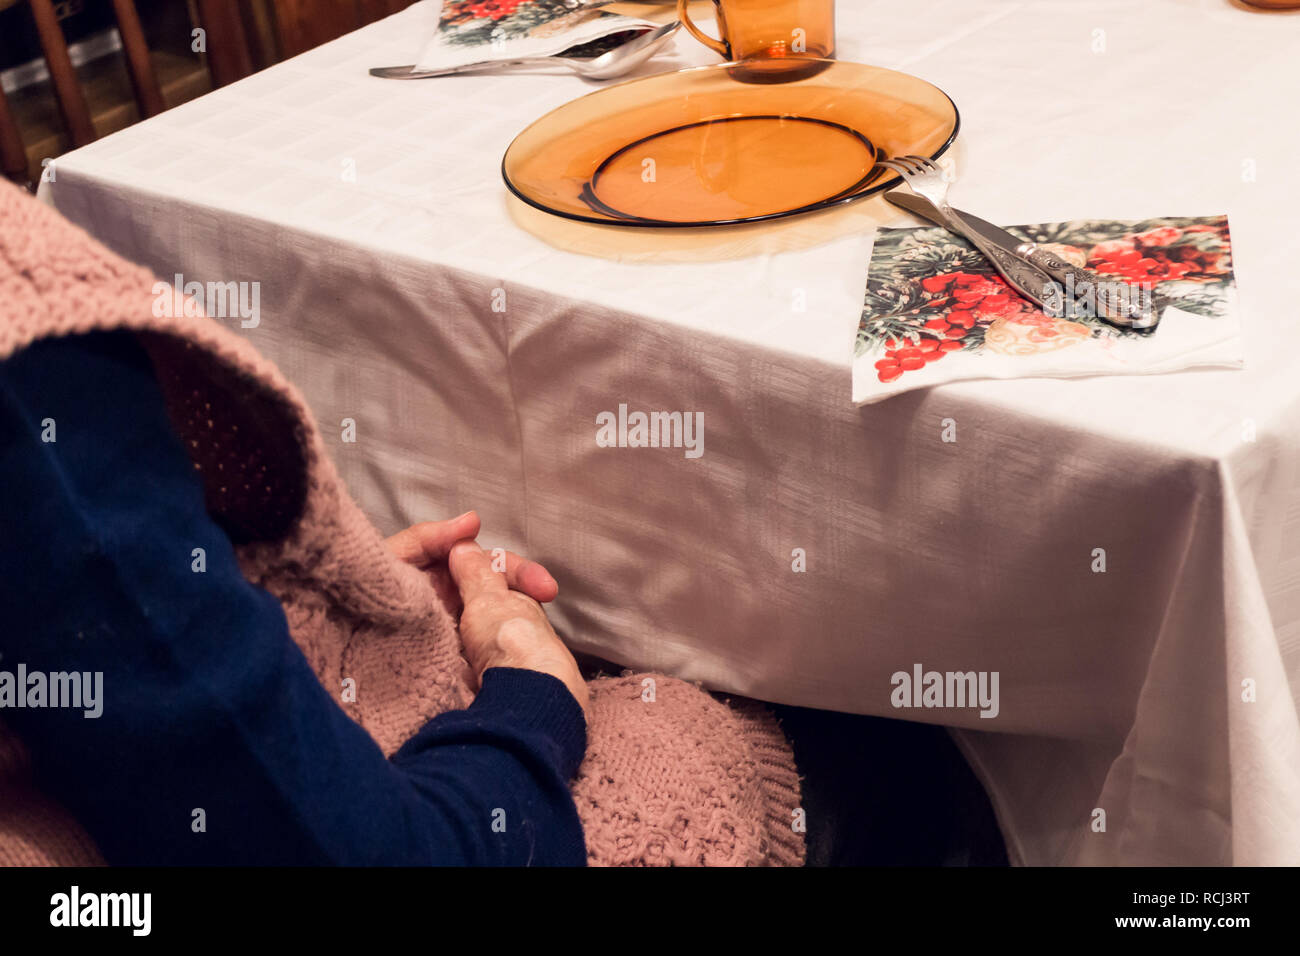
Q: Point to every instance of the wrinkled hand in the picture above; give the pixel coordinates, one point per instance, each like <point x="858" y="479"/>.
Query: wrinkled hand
<point x="427" y="544"/>
<point x="500" y="627"/>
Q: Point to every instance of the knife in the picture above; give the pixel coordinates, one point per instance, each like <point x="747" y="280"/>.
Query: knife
<point x="1119" y="303"/>
<point x="1024" y="277"/>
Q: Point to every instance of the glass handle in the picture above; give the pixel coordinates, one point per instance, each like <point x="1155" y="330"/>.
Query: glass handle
<point x="719" y="46"/>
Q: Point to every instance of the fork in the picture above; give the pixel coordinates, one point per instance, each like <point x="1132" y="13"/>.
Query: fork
<point x="925" y="178"/>
<point x="1036" y="273"/>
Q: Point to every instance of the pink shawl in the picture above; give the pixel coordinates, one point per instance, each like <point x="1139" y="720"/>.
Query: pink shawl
<point x="684" y="779"/>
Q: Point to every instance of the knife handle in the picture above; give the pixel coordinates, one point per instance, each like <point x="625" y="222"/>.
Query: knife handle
<point x="1118" y="303"/>
<point x="1028" y="281"/>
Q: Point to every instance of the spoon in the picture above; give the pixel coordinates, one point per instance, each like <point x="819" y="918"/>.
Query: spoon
<point x="622" y="59"/>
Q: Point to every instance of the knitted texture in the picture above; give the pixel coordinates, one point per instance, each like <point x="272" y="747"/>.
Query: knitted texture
<point x="678" y="779"/>
<point x="674" y="777"/>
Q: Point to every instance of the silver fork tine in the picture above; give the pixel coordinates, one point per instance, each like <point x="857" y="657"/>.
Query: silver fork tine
<point x="924" y="177"/>
<point x="919" y="164"/>
<point x="903" y="169"/>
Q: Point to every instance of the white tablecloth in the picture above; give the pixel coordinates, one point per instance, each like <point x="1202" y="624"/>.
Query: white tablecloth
<point x="373" y="216"/>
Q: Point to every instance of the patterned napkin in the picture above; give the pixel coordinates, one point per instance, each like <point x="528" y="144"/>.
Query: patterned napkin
<point x="473" y="30"/>
<point x="936" y="311"/>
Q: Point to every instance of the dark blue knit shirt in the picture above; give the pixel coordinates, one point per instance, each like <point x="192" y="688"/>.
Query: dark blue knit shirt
<point x="216" y="743"/>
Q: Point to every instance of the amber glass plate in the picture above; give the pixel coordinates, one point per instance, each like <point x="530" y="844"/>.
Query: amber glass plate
<point x="716" y="145"/>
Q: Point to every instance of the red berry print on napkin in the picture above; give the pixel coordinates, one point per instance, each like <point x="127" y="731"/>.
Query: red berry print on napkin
<point x="930" y="294"/>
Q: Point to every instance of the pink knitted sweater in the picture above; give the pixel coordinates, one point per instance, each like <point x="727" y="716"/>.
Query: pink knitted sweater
<point x="680" y="779"/>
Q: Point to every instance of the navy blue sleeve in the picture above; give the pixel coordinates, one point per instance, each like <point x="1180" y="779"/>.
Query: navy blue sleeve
<point x="200" y="734"/>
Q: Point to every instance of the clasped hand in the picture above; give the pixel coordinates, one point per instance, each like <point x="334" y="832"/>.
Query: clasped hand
<point x="502" y="623"/>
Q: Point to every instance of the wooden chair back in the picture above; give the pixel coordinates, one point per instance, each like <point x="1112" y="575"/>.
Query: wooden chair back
<point x="63" y="78"/>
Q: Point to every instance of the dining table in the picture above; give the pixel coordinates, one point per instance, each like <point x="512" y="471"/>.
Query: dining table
<point x="1121" y="551"/>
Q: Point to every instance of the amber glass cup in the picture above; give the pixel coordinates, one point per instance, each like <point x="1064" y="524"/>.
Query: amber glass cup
<point x="770" y="35"/>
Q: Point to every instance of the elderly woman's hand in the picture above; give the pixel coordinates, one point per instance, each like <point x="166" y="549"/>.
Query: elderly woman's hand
<point x="500" y="627"/>
<point x="427" y="544"/>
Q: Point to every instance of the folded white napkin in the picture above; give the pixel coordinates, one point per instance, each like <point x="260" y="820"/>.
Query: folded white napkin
<point x="470" y="31"/>
<point x="936" y="310"/>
